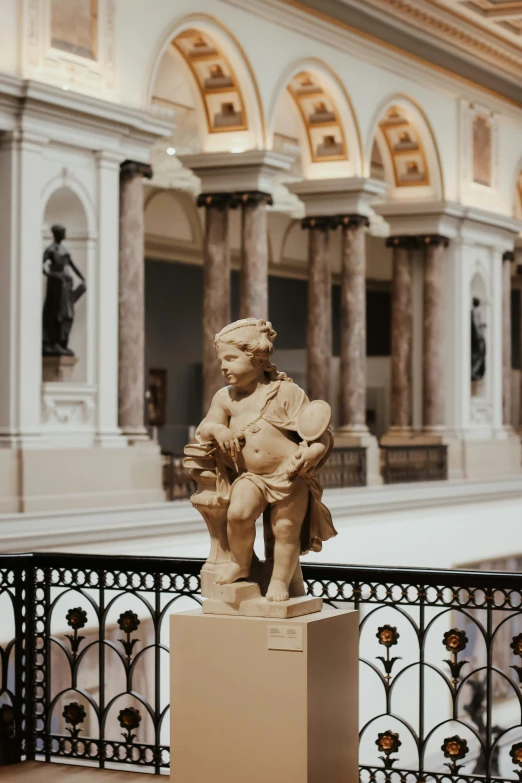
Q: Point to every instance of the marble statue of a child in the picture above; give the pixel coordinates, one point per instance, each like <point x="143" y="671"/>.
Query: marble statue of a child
<point x="253" y="421"/>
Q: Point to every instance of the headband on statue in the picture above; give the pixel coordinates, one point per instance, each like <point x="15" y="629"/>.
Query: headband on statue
<point x="239" y="325"/>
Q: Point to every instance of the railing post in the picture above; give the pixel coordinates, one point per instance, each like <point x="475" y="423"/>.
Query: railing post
<point x="28" y="650"/>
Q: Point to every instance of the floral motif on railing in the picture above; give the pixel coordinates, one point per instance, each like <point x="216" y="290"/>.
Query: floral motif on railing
<point x="129" y="719"/>
<point x="516" y="757"/>
<point x="76" y="619"/>
<point x="128" y="622"/>
<point x="74" y="714"/>
<point x="388" y="742"/>
<point x="388" y="636"/>
<point x="455" y="641"/>
<point x="455" y="749"/>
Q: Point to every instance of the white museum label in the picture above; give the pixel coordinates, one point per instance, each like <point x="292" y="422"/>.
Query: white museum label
<point x="285" y="637"/>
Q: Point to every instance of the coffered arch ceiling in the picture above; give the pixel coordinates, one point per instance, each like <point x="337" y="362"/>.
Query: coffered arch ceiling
<point x="313" y="110"/>
<point x="403" y="152"/>
<point x="203" y="78"/>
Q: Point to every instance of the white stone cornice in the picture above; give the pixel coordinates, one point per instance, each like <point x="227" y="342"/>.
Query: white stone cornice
<point x="228" y="172"/>
<point x="449" y="219"/>
<point x="64" y="115"/>
<point x="338" y="196"/>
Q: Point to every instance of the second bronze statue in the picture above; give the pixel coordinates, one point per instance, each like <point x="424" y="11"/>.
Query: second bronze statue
<point x="60" y="297"/>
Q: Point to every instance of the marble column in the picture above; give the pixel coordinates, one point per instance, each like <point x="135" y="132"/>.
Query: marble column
<point x="253" y="302"/>
<point x="507" y="260"/>
<point x="319" y="330"/>
<point x="402" y="332"/>
<point x="353" y="324"/>
<point x="131" y="322"/>
<point x="433" y="359"/>
<point x="216" y="287"/>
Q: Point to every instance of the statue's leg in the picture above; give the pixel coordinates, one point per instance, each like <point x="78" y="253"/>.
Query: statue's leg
<point x="246" y="504"/>
<point x="287" y="519"/>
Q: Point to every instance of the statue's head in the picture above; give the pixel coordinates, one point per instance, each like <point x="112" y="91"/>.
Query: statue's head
<point x="476" y="301"/>
<point x="244" y="349"/>
<point x="58" y="233"/>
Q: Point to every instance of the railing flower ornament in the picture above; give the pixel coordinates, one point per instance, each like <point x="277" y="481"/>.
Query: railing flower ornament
<point x="455" y="641"/>
<point x="455" y="748"/>
<point x="129" y="719"/>
<point x="74" y="714"/>
<point x="388" y="636"/>
<point x="516" y="757"/>
<point x="128" y="622"/>
<point x="516" y="646"/>
<point x="388" y="742"/>
<point x="76" y="619"/>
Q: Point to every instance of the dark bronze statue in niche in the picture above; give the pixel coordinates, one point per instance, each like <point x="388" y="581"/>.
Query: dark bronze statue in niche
<point x="60" y="296"/>
<point x="478" y="342"/>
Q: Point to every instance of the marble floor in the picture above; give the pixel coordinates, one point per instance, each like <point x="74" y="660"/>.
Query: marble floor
<point x="63" y="773"/>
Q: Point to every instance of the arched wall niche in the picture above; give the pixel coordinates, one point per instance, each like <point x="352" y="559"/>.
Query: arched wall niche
<point x="67" y="205"/>
<point x="402" y="151"/>
<point x="200" y="70"/>
<point x="323" y="121"/>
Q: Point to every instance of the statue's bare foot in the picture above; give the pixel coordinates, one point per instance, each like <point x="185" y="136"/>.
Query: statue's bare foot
<point x="277" y="591"/>
<point x="230" y="573"/>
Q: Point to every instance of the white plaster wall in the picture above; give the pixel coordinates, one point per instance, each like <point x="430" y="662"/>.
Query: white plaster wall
<point x="9" y="36"/>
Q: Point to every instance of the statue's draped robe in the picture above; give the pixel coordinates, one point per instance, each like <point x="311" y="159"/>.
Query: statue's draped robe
<point x="287" y="401"/>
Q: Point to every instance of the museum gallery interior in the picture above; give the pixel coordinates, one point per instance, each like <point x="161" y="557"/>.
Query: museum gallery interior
<point x="261" y="390"/>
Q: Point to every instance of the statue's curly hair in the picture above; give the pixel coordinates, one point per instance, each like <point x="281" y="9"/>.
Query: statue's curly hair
<point x="256" y="338"/>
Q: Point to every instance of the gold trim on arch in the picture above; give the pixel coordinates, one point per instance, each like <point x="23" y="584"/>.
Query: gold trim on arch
<point x="309" y="65"/>
<point x="399" y="98"/>
<point x="397" y="50"/>
<point x="193" y="19"/>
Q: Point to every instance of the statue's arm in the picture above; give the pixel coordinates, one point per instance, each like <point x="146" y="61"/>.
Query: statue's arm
<point x="45" y="258"/>
<point x="216" y="419"/>
<point x="76" y="270"/>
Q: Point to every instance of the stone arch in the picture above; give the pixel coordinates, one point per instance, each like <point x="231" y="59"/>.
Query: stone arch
<point x="172" y="225"/>
<point x="200" y="69"/>
<point x="66" y="196"/>
<point x="327" y="127"/>
<point x="402" y="151"/>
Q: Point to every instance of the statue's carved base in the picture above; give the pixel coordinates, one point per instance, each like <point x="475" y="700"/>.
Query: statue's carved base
<point x="245" y="599"/>
<point x="58" y="369"/>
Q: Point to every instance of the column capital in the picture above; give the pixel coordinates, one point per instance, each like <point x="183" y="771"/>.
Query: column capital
<point x="320" y="223"/>
<point x="219" y="201"/>
<point x="433" y="240"/>
<point x="251" y="198"/>
<point x="132" y="168"/>
<point x="353" y="221"/>
<point x="509" y="255"/>
<point x="404" y="242"/>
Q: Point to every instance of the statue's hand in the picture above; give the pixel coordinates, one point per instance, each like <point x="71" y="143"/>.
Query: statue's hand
<point x="306" y="458"/>
<point x="228" y="441"/>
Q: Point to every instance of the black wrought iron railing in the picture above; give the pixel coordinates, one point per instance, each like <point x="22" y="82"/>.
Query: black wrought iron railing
<point x="346" y="467"/>
<point x="84" y="664"/>
<point x="177" y="481"/>
<point x="409" y="464"/>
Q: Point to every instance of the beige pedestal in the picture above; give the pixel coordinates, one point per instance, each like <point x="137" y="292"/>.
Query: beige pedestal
<point x="257" y="700"/>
